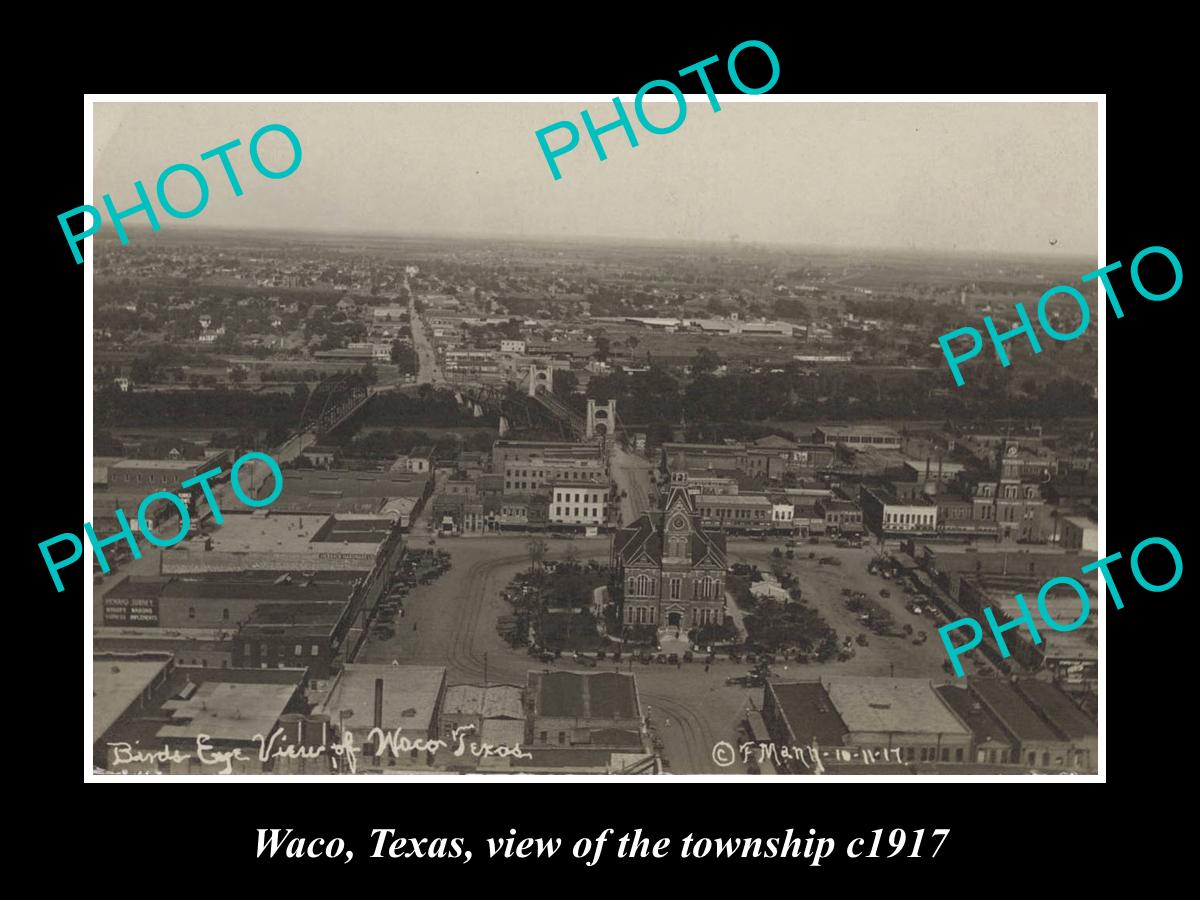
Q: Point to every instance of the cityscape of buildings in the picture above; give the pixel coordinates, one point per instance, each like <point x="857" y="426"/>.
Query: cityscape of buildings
<point x="571" y="508"/>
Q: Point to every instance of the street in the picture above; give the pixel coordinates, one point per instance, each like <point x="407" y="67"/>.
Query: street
<point x="427" y="371"/>
<point x="455" y="626"/>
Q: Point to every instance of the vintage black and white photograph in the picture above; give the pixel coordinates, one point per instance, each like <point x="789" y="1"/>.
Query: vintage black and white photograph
<point x="411" y="458"/>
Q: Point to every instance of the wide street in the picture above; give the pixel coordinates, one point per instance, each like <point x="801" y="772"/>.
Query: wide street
<point x="455" y="626"/>
<point x="427" y="370"/>
<point x="631" y="473"/>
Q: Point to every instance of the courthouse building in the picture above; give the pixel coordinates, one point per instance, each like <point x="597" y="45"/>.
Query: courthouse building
<point x="672" y="569"/>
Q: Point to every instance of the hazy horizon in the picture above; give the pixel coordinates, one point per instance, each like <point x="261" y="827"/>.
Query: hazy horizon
<point x="985" y="179"/>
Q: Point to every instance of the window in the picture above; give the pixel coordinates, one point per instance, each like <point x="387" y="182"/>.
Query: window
<point x="542" y="737"/>
<point x="264" y="650"/>
<point x="225" y="614"/>
<point x="674" y="588"/>
<point x="1046" y="758"/>
<point x="562" y="737"/>
<point x="945" y="754"/>
<point x="191" y="612"/>
<point x="958" y="754"/>
<point x="298" y="650"/>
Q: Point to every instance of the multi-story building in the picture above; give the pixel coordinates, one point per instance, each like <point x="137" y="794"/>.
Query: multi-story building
<point x="532" y="474"/>
<point x="739" y="513"/>
<point x="859" y="437"/>
<point x="578" y="503"/>
<point x="888" y="516"/>
<point x="672" y="569"/>
<point x="840" y="516"/>
<point x="1016" y="508"/>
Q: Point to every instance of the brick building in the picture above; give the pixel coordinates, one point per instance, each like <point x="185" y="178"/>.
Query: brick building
<point x="673" y="570"/>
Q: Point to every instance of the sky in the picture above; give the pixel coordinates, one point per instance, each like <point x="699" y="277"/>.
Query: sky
<point x="1002" y="178"/>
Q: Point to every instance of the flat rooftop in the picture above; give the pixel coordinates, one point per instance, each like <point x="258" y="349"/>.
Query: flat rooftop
<point x="228" y="710"/>
<point x="223" y="588"/>
<point x="580" y="695"/>
<point x="290" y="533"/>
<point x="908" y="705"/>
<point x="167" y="465"/>
<point x="117" y="682"/>
<point x="496" y="701"/>
<point x="810" y="713"/>
<point x="864" y="430"/>
<point x="410" y="696"/>
<point x="748" y="500"/>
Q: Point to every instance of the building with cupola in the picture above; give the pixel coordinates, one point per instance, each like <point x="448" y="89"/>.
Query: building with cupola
<point x="671" y="569"/>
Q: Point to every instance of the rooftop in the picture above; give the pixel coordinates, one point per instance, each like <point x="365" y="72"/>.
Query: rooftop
<point x="583" y="695"/>
<point x="1012" y="709"/>
<point x="1058" y="708"/>
<point x="891" y="704"/>
<point x="809" y="712"/>
<point x="985" y="726"/>
<point x="117" y="682"/>
<point x="229" y="710"/>
<point x="496" y="701"/>
<point x="272" y="532"/>
<point x="410" y="696"/>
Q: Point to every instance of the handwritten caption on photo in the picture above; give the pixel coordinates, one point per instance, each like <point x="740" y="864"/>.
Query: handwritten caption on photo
<point x="277" y="843"/>
<point x="344" y="750"/>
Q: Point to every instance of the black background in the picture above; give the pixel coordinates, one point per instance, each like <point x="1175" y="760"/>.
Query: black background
<point x="1012" y="827"/>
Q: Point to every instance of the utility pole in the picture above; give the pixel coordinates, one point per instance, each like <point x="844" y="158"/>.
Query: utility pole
<point x="485" y="661"/>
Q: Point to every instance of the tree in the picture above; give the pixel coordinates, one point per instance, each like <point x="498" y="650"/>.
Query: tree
<point x="706" y="362"/>
<point x="602" y="349"/>
<point x="369" y="375"/>
<point x="537" y="553"/>
<point x="632" y="342"/>
<point x="565" y="383"/>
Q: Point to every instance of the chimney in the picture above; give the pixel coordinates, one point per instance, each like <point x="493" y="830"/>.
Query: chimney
<point x="939" y="468"/>
<point x="927" y="461"/>
<point x="379" y="703"/>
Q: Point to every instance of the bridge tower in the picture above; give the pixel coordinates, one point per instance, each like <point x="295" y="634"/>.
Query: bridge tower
<point x="540" y="377"/>
<point x="601" y="418"/>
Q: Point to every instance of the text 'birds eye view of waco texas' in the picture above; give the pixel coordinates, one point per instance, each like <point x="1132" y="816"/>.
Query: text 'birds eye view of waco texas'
<point x="654" y="469"/>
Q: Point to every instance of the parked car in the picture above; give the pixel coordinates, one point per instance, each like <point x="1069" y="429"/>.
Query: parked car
<point x="383" y="632"/>
<point x="586" y="661"/>
<point x="673" y="659"/>
<point x="885" y="593"/>
<point x="738" y="680"/>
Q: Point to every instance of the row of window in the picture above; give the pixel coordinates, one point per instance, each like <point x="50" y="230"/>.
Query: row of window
<point x="265" y="650"/>
<point x="566" y="497"/>
<point x="911" y="518"/>
<point x="721" y="512"/>
<point x="645" y="615"/>
<point x="164" y="478"/>
<point x="702" y="588"/>
<point x="561" y="511"/>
